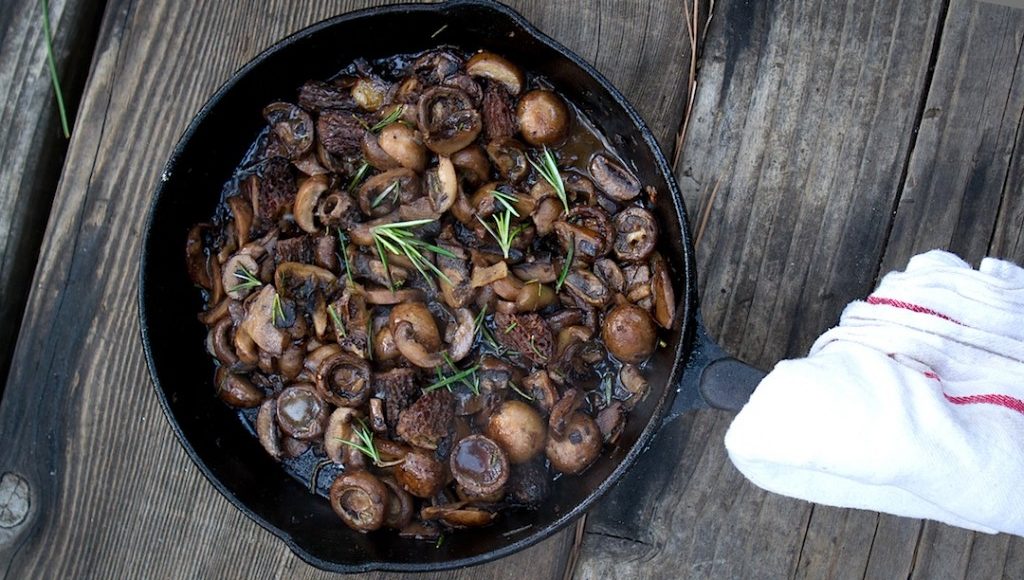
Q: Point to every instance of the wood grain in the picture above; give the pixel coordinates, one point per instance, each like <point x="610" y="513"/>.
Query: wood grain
<point x="31" y="144"/>
<point x="112" y="494"/>
<point x="965" y="144"/>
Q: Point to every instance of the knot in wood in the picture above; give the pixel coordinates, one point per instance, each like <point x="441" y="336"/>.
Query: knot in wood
<point x="14" y="500"/>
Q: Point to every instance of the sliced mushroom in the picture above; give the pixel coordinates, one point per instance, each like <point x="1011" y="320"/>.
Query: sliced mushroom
<point x="587" y="287"/>
<point x="296" y="278"/>
<point x="535" y="296"/>
<point x="509" y="158"/>
<point x="403" y="144"/>
<point x="463" y="333"/>
<point x="343" y="379"/>
<point x="420" y="474"/>
<point x="629" y="333"/>
<point x="442" y="185"/>
<point x="293" y="127"/>
<point x="338" y="431"/>
<point x="636" y="233"/>
<point x="563" y="410"/>
<point x="383" y="193"/>
<point x="635" y="384"/>
<point x="615" y="180"/>
<point x="332" y="208"/>
<point x="400" y="510"/>
<point x="471" y="165"/>
<point x="360" y="500"/>
<point x="386" y="297"/>
<point x="543" y="117"/>
<point x="459" y="516"/>
<point x="539" y="269"/>
<point x="661" y="290"/>
<point x="496" y="68"/>
<point x="377" y="420"/>
<point x="369" y="93"/>
<point x="258" y="324"/>
<point x="486" y="275"/>
<point x="480" y="468"/>
<point x="375" y="155"/>
<point x="301" y="413"/>
<point x="219" y="342"/>
<point x="306" y="201"/>
<point x="241" y="210"/>
<point x="518" y="429"/>
<point x="448" y="120"/>
<point x="237" y="390"/>
<point x="610" y="273"/>
<point x="539" y="386"/>
<point x="197" y="259"/>
<point x="578" y="448"/>
<point x="611" y="421"/>
<point x="238" y="275"/>
<point x="266" y="429"/>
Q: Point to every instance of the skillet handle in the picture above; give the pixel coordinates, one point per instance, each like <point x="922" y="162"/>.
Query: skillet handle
<point x="713" y="378"/>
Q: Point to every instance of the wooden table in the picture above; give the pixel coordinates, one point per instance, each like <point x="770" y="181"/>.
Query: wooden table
<point x="827" y="142"/>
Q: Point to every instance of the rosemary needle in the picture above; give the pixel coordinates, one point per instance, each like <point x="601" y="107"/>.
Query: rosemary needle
<point x="53" y="70"/>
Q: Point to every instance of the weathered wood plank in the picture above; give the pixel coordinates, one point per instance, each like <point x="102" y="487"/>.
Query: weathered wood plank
<point x="31" y="144"/>
<point x="112" y="494"/>
<point x="963" y="150"/>
<point x="803" y="121"/>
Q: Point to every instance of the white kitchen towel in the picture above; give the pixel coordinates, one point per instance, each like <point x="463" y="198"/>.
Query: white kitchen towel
<point x="913" y="405"/>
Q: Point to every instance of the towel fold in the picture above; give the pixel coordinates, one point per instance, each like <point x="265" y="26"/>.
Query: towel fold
<point x="913" y="405"/>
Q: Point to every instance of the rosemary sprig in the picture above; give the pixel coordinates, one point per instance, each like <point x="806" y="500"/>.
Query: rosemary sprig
<point x="505" y="234"/>
<point x="397" y="238"/>
<point x="548" y="169"/>
<point x="436" y="32"/>
<point x="53" y="70"/>
<point x="384" y="194"/>
<point x="440" y="539"/>
<point x="456" y="378"/>
<point x="510" y="327"/>
<point x="278" y="311"/>
<point x="249" y="280"/>
<point x="365" y="444"/>
<point x="343" y="246"/>
<point x="533" y="347"/>
<point x="339" y="327"/>
<point x="521" y="394"/>
<point x="473" y="384"/>
<point x="358" y="176"/>
<point x="507" y="200"/>
<point x="566" y="265"/>
<point x="391" y="117"/>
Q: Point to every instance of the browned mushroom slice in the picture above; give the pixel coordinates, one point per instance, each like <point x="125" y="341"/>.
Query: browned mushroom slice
<point x="325" y="253"/>
<point x="400" y="510"/>
<point x="526" y="334"/>
<point x="301" y="413"/>
<point x="498" y="69"/>
<point x="377" y="421"/>
<point x="309" y="164"/>
<point x="386" y="297"/>
<point x="611" y="421"/>
<point x="661" y="289"/>
<point x="375" y="155"/>
<point x="306" y="201"/>
<point x="615" y="180"/>
<point x="258" y="324"/>
<point x="563" y="410"/>
<point x="436" y="65"/>
<point x="610" y="273"/>
<point x="369" y="93"/>
<point x="219" y="342"/>
<point x="518" y="429"/>
<point x="415" y="334"/>
<point x="629" y="333"/>
<point x="241" y="210"/>
<point x="240" y="275"/>
<point x="448" y="120"/>
<point x="461" y="334"/>
<point x="471" y="165"/>
<point x="339" y="431"/>
<point x="459" y="517"/>
<point x="587" y="287"/>
<point x="636" y="233"/>
<point x="539" y="386"/>
<point x="360" y="500"/>
<point x="536" y="268"/>
<point x="428" y="420"/>
<point x="237" y="390"/>
<point x="509" y="158"/>
<point x="480" y="468"/>
<point x="293" y="127"/>
<point x="588" y="245"/>
<point x="298" y="249"/>
<point x="403" y="144"/>
<point x="442" y="185"/>
<point x="383" y="193"/>
<point x="343" y="379"/>
<point x="197" y="259"/>
<point x="290" y="363"/>
<point x="266" y="429"/>
<point x="543" y="117"/>
<point x="456" y="290"/>
<point x="486" y="275"/>
<point x="535" y="296"/>
<point x="420" y="474"/>
<point x="635" y="384"/>
<point x="578" y="448"/>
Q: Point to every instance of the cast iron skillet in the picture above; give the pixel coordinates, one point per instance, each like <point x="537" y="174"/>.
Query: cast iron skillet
<point x="690" y="372"/>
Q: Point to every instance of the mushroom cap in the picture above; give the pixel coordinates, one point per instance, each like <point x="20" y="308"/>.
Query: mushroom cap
<point x="301" y="413"/>
<point x="629" y="333"/>
<point x="519" y="429"/>
<point x="360" y="500"/>
<point x="479" y="466"/>
<point x="578" y="448"/>
<point x="543" y="117"/>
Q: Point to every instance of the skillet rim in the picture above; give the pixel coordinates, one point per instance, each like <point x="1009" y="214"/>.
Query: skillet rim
<point x="686" y="309"/>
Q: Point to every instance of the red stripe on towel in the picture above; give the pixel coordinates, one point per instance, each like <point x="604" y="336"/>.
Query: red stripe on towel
<point x="907" y="306"/>
<point x="1001" y="400"/>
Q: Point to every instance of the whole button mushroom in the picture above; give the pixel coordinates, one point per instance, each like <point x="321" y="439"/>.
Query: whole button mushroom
<point x="543" y="117"/>
<point x="420" y="474"/>
<point x="629" y="333"/>
<point x="518" y="429"/>
<point x="577" y="448"/>
<point x="301" y="413"/>
<point x="360" y="500"/>
<point x="636" y="233"/>
<point x="480" y="467"/>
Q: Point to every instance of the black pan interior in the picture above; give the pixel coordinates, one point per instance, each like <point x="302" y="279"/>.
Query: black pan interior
<point x="189" y="191"/>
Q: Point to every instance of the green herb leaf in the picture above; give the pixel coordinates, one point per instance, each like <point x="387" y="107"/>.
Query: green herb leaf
<point x="505" y="235"/>
<point x="383" y="195"/>
<point x="343" y="246"/>
<point x="278" y="311"/>
<point x="566" y="265"/>
<point x="507" y="200"/>
<point x="52" y="65"/>
<point x="249" y="280"/>
<point x="521" y="394"/>
<point x="398" y="238"/>
<point x="548" y="169"/>
<point x="339" y="327"/>
<point x="393" y="116"/>
<point x="358" y="176"/>
<point x="457" y="377"/>
<point x="365" y="444"/>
